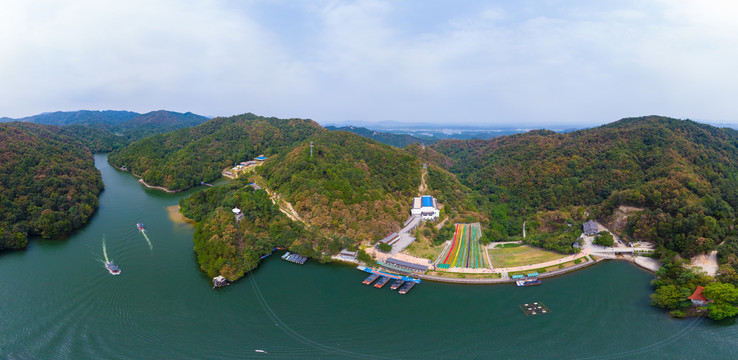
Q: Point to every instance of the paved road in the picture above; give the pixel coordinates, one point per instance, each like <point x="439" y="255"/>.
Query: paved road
<point x="405" y="238"/>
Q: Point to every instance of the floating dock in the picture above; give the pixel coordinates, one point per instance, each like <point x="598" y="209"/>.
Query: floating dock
<point x="295" y="258"/>
<point x="389" y="275"/>
<point x="383" y="280"/>
<point x="370" y="279"/>
<point x="535" y="308"/>
<point x="395" y="285"/>
<point x="403" y="283"/>
<point x="406" y="287"/>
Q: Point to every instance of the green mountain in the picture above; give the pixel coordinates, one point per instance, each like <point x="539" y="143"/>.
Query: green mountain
<point x="81" y="117"/>
<point x="48" y="183"/>
<point x="231" y="248"/>
<point x="184" y="158"/>
<point x="396" y="140"/>
<point x="350" y="190"/>
<point x="104" y="131"/>
<point x="158" y="122"/>
<point x="684" y="175"/>
<point x="95" y="138"/>
<point x="351" y="185"/>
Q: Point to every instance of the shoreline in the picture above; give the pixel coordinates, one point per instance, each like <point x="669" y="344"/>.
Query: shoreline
<point x="177" y="217"/>
<point x="553" y="273"/>
<point x="140" y="180"/>
<point x="506" y="280"/>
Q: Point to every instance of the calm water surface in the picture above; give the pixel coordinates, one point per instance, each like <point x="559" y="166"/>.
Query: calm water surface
<point x="57" y="301"/>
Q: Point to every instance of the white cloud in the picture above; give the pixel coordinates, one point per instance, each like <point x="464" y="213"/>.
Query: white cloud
<point x="371" y="60"/>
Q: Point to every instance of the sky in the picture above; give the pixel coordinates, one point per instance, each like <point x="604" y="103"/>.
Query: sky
<point x="540" y="63"/>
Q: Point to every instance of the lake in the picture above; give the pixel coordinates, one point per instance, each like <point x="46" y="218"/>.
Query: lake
<point x="59" y="302"/>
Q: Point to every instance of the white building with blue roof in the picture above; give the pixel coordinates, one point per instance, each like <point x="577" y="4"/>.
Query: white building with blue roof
<point x="426" y="206"/>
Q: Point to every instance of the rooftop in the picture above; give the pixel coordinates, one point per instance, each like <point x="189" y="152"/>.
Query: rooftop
<point x="697" y="294"/>
<point x="406" y="264"/>
<point x="427" y="201"/>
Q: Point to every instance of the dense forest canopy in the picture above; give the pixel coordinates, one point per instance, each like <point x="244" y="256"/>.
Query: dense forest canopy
<point x="225" y="246"/>
<point x="351" y="185"/>
<point x="684" y="175"/>
<point x="104" y="131"/>
<point x="48" y="183"/>
<point x="185" y="157"/>
<point x="95" y="138"/>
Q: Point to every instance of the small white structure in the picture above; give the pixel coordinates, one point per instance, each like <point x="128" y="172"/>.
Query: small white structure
<point x="219" y="281"/>
<point x="426" y="206"/>
<point x="238" y="213"/>
<point x="348" y="255"/>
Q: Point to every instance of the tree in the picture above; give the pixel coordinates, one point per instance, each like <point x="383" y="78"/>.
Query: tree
<point x="604" y="238"/>
<point x="384" y="247"/>
<point x="669" y="296"/>
<point x="724" y="300"/>
<point x="727" y="274"/>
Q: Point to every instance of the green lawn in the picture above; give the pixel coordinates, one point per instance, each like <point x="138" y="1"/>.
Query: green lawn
<point x="520" y="256"/>
<point x="422" y="249"/>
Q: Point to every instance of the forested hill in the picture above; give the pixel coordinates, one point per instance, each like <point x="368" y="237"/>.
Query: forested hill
<point x="351" y="185"/>
<point x="183" y="158"/>
<point x="158" y="122"/>
<point x="81" y="117"/>
<point x="103" y="131"/>
<point x="684" y="174"/>
<point x="48" y="183"/>
<point x="396" y="140"/>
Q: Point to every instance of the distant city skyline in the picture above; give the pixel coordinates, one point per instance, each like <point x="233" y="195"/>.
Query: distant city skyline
<point x="485" y="63"/>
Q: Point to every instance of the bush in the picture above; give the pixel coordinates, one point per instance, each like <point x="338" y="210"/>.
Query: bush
<point x="604" y="238"/>
<point x="362" y="256"/>
<point x="383" y="247"/>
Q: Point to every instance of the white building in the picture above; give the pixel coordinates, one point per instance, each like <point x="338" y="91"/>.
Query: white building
<point x="426" y="206"/>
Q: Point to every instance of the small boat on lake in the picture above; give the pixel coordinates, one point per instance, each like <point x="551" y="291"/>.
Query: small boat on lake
<point x="370" y="279"/>
<point x="383" y="280"/>
<point x="112" y="269"/>
<point x="406" y="287"/>
<point x="396" y="284"/>
<point x="528" y="282"/>
<point x="140" y="226"/>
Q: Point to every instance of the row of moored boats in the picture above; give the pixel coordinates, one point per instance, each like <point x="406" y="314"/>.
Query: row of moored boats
<point x="402" y="285"/>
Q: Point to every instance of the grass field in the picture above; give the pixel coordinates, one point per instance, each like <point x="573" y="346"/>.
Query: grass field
<point x="547" y="269"/>
<point x="465" y="275"/>
<point x="520" y="256"/>
<point x="422" y="248"/>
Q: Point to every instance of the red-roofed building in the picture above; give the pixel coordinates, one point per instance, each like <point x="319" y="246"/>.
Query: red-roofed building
<point x="697" y="297"/>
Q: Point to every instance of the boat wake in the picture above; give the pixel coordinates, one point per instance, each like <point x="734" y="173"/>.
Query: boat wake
<point x="147" y="239"/>
<point x="299" y="337"/>
<point x="105" y="251"/>
<point x="112" y="269"/>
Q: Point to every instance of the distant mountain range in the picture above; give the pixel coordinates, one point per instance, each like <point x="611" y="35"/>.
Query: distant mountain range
<point x="81" y="117"/>
<point x="396" y="140"/>
<point x="418" y="133"/>
<point x="110" y="129"/>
